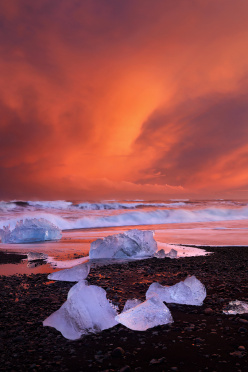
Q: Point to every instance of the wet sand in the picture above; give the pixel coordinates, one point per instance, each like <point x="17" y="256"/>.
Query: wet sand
<point x="200" y="339"/>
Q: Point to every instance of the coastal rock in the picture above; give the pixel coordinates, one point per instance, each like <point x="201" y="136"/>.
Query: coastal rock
<point x="131" y="244"/>
<point x="188" y="292"/>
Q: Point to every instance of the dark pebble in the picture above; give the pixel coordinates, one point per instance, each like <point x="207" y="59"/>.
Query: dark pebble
<point x="125" y="369"/>
<point x="118" y="352"/>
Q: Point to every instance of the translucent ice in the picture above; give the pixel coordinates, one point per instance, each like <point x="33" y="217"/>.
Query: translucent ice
<point x="31" y="230"/>
<point x="189" y="292"/>
<point x="148" y="314"/>
<point x="74" y="274"/>
<point x="33" y="256"/>
<point x="86" y="311"/>
<point x="77" y="287"/>
<point x="161" y="253"/>
<point x="131" y="303"/>
<point x="133" y="243"/>
<point x="236" y="307"/>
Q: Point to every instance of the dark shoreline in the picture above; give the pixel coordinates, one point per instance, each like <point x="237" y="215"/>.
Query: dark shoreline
<point x="200" y="339"/>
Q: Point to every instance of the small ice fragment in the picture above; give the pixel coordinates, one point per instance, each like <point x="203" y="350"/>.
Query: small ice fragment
<point x="236" y="307"/>
<point x="31" y="230"/>
<point x="131" y="303"/>
<point x="86" y="311"/>
<point x="133" y="243"/>
<point x="148" y="314"/>
<point x="33" y="256"/>
<point x="75" y="274"/>
<point x="161" y="253"/>
<point x="188" y="292"/>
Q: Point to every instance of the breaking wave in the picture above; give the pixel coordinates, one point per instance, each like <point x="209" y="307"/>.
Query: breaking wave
<point x="67" y="205"/>
<point x="139" y="218"/>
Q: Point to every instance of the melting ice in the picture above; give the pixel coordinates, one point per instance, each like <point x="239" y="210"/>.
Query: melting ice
<point x="148" y="314"/>
<point x="188" y="292"/>
<point x="74" y="274"/>
<point x="30" y="230"/>
<point x="236" y="307"/>
<point x="133" y="243"/>
<point x="87" y="310"/>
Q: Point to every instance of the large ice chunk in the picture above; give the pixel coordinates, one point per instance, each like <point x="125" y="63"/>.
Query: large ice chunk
<point x="31" y="230"/>
<point x="188" y="292"/>
<point x="131" y="244"/>
<point x="148" y="314"/>
<point x="74" y="274"/>
<point x="86" y="311"/>
<point x="236" y="307"/>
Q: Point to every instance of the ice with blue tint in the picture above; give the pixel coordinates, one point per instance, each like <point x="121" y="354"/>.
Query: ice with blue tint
<point x="236" y="307"/>
<point x="30" y="230"/>
<point x="77" y="287"/>
<point x="188" y="292"/>
<point x="87" y="310"/>
<point x="131" y="244"/>
<point x="75" y="274"/>
<point x="131" y="303"/>
<point x="148" y="314"/>
<point x="161" y="253"/>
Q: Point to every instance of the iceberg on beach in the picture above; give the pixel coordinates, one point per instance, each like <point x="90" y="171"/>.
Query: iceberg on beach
<point x="161" y="253"/>
<point x="30" y="230"/>
<point x="148" y="314"/>
<point x="87" y="310"/>
<point x="33" y="256"/>
<point x="236" y="307"/>
<point x="188" y="292"/>
<point x="131" y="244"/>
<point x="75" y="274"/>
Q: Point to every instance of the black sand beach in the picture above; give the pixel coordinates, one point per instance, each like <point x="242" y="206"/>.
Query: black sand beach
<point x="200" y="339"/>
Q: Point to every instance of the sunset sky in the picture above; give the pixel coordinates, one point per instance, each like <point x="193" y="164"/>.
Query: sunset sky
<point x="104" y="99"/>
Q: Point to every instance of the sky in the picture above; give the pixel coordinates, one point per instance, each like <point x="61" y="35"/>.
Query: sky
<point x="103" y="99"/>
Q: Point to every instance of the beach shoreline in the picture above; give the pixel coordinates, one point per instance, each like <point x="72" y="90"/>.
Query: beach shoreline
<point x="201" y="337"/>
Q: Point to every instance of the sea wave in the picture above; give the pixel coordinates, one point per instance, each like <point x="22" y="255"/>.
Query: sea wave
<point x="138" y="218"/>
<point x="68" y="205"/>
<point x="129" y="205"/>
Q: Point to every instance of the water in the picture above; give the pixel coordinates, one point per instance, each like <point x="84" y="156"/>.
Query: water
<point x="184" y="222"/>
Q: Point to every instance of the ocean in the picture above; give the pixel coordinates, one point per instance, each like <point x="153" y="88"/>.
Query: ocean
<point x="186" y="225"/>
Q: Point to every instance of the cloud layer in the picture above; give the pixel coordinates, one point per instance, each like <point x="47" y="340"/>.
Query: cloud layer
<point x="123" y="99"/>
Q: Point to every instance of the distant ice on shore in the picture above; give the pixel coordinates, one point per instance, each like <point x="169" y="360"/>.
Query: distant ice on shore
<point x="30" y="230"/>
<point x="130" y="244"/>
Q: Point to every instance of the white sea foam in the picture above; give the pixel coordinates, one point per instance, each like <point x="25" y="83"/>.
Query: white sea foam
<point x="55" y="204"/>
<point x="159" y="216"/>
<point x="130" y="205"/>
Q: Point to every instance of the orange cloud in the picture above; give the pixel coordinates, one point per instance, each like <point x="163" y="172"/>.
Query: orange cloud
<point x="122" y="97"/>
